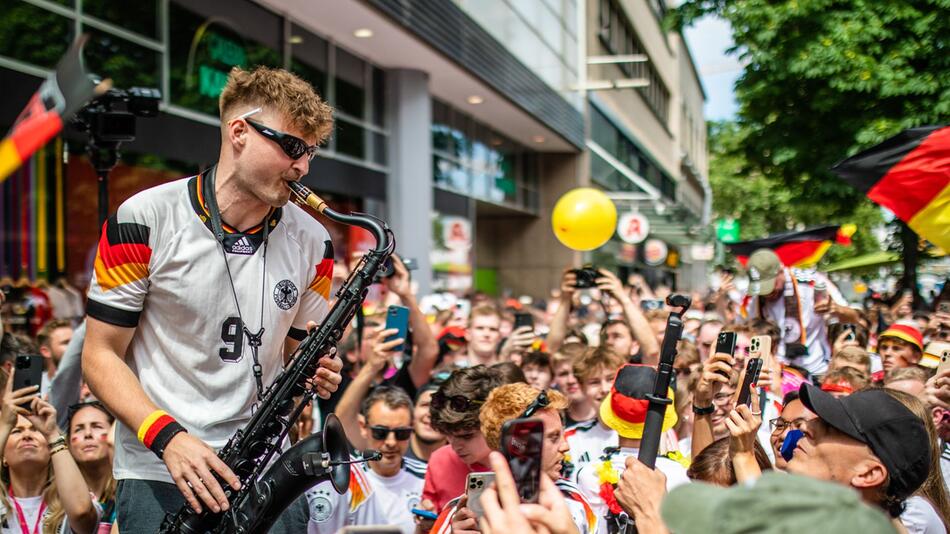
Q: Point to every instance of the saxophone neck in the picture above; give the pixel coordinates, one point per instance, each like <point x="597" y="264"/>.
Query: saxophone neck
<point x="385" y="242"/>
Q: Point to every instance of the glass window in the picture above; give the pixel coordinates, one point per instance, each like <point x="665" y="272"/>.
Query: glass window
<point x="379" y="97"/>
<point x="350" y="139"/>
<point x="128" y="64"/>
<point x="350" y="96"/>
<point x="309" y="58"/>
<point x="140" y="16"/>
<point x="32" y="34"/>
<point x="379" y="148"/>
<point x="203" y="48"/>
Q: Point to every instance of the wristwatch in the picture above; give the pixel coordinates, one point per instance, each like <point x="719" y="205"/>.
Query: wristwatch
<point x="708" y="410"/>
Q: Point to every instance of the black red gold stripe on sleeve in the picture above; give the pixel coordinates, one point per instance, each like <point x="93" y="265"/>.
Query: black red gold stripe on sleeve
<point x="123" y="254"/>
<point x="908" y="174"/>
<point x="324" y="272"/>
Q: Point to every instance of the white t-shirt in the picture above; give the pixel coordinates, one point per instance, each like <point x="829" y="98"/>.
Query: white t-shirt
<point x="399" y="494"/>
<point x="589" y="482"/>
<point x="31" y="512"/>
<point x="359" y="505"/>
<point x="587" y="442"/>
<point x="160" y="269"/>
<point x="920" y="517"/>
<point x="816" y="332"/>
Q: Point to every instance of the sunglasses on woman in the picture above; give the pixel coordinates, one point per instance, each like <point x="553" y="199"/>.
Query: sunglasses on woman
<point x="380" y="432"/>
<point x="293" y="146"/>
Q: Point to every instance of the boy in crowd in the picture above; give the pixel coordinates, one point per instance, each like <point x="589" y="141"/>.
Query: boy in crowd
<point x="595" y="370"/>
<point x="536" y="367"/>
<point x="624" y="411"/>
<point x="901" y="345"/>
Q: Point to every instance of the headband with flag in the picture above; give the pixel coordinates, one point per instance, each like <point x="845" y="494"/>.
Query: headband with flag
<point x="908" y="174"/>
<point x="60" y="96"/>
<point x="796" y="249"/>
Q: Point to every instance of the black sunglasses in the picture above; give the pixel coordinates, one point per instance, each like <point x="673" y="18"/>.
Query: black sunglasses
<point x="456" y="402"/>
<point x="539" y="403"/>
<point x="380" y="432"/>
<point x="294" y="147"/>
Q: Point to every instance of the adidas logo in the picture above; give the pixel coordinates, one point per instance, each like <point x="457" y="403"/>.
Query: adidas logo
<point x="242" y="246"/>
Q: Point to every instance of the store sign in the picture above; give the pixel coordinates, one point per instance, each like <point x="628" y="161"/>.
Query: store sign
<point x="727" y="230"/>
<point x="212" y="55"/>
<point x="457" y="233"/>
<point x="633" y="227"/>
<point x="654" y="252"/>
<point x="702" y="252"/>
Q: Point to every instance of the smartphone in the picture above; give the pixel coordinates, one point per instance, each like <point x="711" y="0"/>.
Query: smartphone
<point x="726" y="343"/>
<point x="761" y="347"/>
<point x="944" y="361"/>
<point x="524" y="319"/>
<point x="943" y="306"/>
<point x="750" y="375"/>
<point x="398" y="317"/>
<point x="651" y="304"/>
<point x="29" y="371"/>
<point x="410" y="263"/>
<point x="521" y="443"/>
<point x="425" y="514"/>
<point x="475" y="485"/>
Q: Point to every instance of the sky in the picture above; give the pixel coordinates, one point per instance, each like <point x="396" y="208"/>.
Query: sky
<point x="708" y="40"/>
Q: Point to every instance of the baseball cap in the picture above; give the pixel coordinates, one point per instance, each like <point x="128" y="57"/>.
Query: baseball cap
<point x="906" y="331"/>
<point x="763" y="267"/>
<point x="896" y="436"/>
<point x="625" y="407"/>
<point x="776" y="504"/>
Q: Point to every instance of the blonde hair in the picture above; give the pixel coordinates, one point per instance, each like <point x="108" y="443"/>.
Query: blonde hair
<point x="281" y="90"/>
<point x="855" y="355"/>
<point x="568" y="353"/>
<point x="595" y="357"/>
<point x="509" y="402"/>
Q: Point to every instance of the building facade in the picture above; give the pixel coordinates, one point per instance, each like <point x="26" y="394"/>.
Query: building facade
<point x="460" y="122"/>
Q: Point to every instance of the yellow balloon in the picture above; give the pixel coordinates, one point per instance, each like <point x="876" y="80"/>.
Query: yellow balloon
<point x="584" y="218"/>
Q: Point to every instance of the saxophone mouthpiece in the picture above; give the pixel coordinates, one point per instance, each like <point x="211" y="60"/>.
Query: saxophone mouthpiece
<point x="306" y="196"/>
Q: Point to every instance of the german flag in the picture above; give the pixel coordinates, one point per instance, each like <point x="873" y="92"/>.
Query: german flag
<point x="324" y="273"/>
<point x="796" y="249"/>
<point x="123" y="254"/>
<point x="908" y="174"/>
<point x="59" y="97"/>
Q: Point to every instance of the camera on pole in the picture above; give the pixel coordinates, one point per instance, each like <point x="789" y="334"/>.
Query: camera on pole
<point x="109" y="120"/>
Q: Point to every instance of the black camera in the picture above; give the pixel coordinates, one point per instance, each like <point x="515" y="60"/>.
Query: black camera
<point x="110" y="118"/>
<point x="587" y="277"/>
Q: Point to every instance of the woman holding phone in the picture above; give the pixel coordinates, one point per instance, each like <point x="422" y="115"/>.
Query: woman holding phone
<point x="45" y="491"/>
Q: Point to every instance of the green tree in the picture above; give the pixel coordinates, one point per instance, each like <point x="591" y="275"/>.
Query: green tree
<point x="823" y="79"/>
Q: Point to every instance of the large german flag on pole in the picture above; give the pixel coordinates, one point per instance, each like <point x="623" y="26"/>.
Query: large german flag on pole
<point x="60" y="96"/>
<point x="796" y="249"/>
<point x="908" y="174"/>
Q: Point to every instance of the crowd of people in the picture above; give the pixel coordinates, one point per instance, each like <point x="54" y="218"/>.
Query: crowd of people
<point x="846" y="425"/>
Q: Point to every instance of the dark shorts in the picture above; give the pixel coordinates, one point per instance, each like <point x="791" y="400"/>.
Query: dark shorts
<point x="141" y="506"/>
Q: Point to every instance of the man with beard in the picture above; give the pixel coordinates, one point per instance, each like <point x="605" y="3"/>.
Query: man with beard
<point x="382" y="491"/>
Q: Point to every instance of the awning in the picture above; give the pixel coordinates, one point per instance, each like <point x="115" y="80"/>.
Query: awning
<point x="874" y="259"/>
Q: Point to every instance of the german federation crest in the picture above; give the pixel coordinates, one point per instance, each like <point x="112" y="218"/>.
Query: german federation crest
<point x="285" y="294"/>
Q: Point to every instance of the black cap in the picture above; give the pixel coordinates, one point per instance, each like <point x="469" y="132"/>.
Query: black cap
<point x="894" y="433"/>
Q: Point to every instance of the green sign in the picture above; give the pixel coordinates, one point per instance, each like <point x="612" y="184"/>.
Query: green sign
<point x="727" y="230"/>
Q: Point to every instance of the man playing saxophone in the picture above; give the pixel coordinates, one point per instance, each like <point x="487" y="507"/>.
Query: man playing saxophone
<point x="201" y="285"/>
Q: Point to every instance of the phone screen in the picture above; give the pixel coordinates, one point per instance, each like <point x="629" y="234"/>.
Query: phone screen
<point x="521" y="443"/>
<point x="524" y="319"/>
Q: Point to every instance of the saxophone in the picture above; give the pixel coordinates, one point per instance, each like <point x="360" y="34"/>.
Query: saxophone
<point x="324" y="455"/>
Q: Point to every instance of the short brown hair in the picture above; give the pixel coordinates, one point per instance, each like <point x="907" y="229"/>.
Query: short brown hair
<point x="509" y="402"/>
<point x="43" y="336"/>
<point x="907" y="373"/>
<point x="568" y="353"/>
<point x="473" y="383"/>
<point x="483" y="309"/>
<point x="855" y="355"/>
<point x="596" y="357"/>
<point x="277" y="88"/>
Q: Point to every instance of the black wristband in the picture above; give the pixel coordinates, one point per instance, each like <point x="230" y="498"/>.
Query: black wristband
<point x="165" y="436"/>
<point x="708" y="410"/>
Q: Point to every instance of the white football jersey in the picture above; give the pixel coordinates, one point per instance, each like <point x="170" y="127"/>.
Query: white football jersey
<point x="359" y="505"/>
<point x="399" y="494"/>
<point x="160" y="270"/>
<point x="587" y="442"/>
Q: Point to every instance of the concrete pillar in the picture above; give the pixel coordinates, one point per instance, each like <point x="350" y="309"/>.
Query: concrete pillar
<point x="409" y="187"/>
